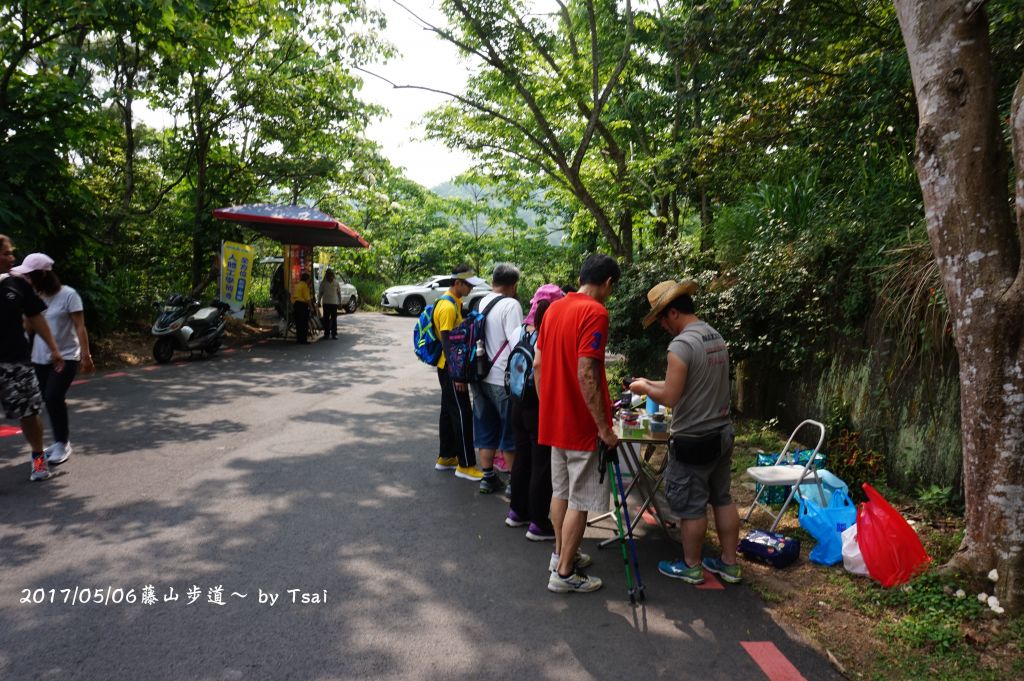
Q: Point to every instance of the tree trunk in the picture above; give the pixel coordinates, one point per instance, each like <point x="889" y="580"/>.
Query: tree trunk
<point x="962" y="165"/>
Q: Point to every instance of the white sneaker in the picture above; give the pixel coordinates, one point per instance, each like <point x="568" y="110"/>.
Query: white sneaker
<point x="574" y="583"/>
<point x="582" y="560"/>
<point x="59" y="453"/>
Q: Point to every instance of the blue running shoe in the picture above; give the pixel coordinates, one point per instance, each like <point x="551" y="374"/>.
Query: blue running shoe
<point x="729" y="573"/>
<point x="678" y="569"/>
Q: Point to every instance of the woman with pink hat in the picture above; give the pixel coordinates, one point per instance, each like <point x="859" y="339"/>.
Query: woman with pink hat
<point x="530" y="500"/>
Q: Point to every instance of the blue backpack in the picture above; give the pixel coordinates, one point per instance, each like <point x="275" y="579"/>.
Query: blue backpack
<point x="519" y="371"/>
<point x="466" y="364"/>
<point x="425" y="340"/>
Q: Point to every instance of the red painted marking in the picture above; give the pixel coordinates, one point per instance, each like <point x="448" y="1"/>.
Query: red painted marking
<point x="771" y="661"/>
<point x="7" y="431"/>
<point x="248" y="347"/>
<point x="263" y="341"/>
<point x="229" y="351"/>
<point x="116" y="374"/>
<point x="711" y="582"/>
<point x="180" y="364"/>
<point x="81" y="381"/>
<point x="151" y="367"/>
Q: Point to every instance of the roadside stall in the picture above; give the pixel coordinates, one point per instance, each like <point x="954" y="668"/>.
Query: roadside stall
<point x="298" y="229"/>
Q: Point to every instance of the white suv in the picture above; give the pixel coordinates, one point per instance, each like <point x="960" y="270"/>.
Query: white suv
<point x="411" y="300"/>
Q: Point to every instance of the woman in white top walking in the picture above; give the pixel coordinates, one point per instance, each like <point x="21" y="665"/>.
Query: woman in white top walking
<point x="330" y="299"/>
<point x="67" y="322"/>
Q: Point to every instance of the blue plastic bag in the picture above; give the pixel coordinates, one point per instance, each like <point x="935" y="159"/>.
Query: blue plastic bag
<point x="826" y="524"/>
<point x="829" y="484"/>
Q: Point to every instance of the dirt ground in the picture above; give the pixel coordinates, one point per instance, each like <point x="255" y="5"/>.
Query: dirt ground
<point x="133" y="346"/>
<point x="839" y="613"/>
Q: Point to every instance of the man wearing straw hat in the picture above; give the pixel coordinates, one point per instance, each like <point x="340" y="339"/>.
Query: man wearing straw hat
<point x="696" y="386"/>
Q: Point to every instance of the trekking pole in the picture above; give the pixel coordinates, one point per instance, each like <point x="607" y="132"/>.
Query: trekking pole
<point x="607" y="459"/>
<point x="639" y="590"/>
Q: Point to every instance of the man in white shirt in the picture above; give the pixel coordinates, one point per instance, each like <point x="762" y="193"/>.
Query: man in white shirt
<point x="492" y="410"/>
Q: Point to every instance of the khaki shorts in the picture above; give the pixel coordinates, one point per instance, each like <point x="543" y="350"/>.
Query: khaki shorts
<point x="691" y="488"/>
<point x="574" y="477"/>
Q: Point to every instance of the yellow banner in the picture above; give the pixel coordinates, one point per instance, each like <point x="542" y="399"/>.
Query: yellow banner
<point x="235" y="273"/>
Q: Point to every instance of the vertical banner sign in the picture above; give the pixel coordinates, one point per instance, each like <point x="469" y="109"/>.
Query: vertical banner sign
<point x="300" y="259"/>
<point x="235" y="273"/>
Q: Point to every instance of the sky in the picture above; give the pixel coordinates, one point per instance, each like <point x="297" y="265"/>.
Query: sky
<point x="424" y="60"/>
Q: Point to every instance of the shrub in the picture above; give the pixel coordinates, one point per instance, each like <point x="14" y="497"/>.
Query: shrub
<point x="852" y="463"/>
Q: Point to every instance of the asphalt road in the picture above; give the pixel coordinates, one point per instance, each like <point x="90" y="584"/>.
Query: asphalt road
<point x="310" y="468"/>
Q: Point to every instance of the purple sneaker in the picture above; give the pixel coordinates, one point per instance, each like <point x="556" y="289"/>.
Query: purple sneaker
<point x="535" y="533"/>
<point x="513" y="519"/>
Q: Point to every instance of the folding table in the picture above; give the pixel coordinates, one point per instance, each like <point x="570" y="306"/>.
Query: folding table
<point x="645" y="476"/>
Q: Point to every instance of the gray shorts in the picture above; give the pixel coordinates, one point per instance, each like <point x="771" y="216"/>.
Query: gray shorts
<point x="575" y="477"/>
<point x="19" y="391"/>
<point x="691" y="488"/>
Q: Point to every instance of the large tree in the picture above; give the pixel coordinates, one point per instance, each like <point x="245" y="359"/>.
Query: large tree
<point x="962" y="167"/>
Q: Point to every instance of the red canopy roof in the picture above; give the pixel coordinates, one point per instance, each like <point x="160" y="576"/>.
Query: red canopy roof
<point x="293" y="225"/>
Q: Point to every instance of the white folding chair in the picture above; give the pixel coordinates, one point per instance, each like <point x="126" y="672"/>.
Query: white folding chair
<point x="787" y="474"/>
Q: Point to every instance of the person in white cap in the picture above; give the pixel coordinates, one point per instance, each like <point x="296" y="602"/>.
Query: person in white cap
<point x="65" y="316"/>
<point x="699" y="468"/>
<point x="19" y="391"/>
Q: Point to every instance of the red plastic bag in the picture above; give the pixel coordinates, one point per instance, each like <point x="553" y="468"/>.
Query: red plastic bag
<point x="891" y="548"/>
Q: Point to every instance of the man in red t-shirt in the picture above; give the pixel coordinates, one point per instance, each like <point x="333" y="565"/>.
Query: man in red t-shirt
<point x="575" y="412"/>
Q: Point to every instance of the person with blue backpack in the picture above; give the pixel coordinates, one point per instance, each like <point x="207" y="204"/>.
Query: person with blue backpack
<point x="530" y="500"/>
<point x="455" y="423"/>
<point x="492" y="410"/>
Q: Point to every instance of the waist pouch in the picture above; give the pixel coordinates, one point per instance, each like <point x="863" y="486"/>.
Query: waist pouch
<point x="696" y="450"/>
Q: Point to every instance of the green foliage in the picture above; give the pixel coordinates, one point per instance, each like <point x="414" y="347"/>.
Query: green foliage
<point x="935" y="499"/>
<point x="930" y="614"/>
<point x="762" y="435"/>
<point x="853" y="464"/>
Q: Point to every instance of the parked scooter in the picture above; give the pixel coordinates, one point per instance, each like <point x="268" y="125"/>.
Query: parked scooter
<point x="183" y="324"/>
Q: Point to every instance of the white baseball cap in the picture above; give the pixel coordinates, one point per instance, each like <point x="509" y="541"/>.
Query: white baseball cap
<point x="34" y="262"/>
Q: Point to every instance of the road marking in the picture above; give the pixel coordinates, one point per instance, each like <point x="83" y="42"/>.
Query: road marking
<point x="151" y="367"/>
<point x="711" y="582"/>
<point x="7" y="431"/>
<point x="771" y="661"/>
<point x="81" y="381"/>
<point x="115" y="374"/>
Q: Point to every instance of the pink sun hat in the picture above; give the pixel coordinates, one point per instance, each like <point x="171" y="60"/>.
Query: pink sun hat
<point x="546" y="292"/>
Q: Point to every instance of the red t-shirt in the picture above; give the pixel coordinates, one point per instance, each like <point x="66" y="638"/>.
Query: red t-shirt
<point x="575" y="326"/>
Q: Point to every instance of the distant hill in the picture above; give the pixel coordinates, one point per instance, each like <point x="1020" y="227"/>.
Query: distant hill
<point x="451" y="190"/>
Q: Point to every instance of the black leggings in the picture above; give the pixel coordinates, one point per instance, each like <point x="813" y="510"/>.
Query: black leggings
<point x="54" y="387"/>
<point x="330" y="321"/>
<point x="301" y="321"/>
<point x="531" y="470"/>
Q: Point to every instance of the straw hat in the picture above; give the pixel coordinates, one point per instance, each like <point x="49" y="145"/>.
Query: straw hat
<point x="664" y="293"/>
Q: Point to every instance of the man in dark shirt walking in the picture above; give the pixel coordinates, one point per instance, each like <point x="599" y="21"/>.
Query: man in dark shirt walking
<point x="19" y="391"/>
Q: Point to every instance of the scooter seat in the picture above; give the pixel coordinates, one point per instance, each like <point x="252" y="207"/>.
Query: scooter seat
<point x="206" y="314"/>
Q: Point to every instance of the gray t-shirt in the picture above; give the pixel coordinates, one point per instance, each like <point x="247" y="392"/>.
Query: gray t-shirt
<point x="59" y="307"/>
<point x="704" y="406"/>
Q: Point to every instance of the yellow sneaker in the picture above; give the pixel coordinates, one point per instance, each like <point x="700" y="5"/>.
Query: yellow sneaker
<point x="446" y="463"/>
<point x="470" y="473"/>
